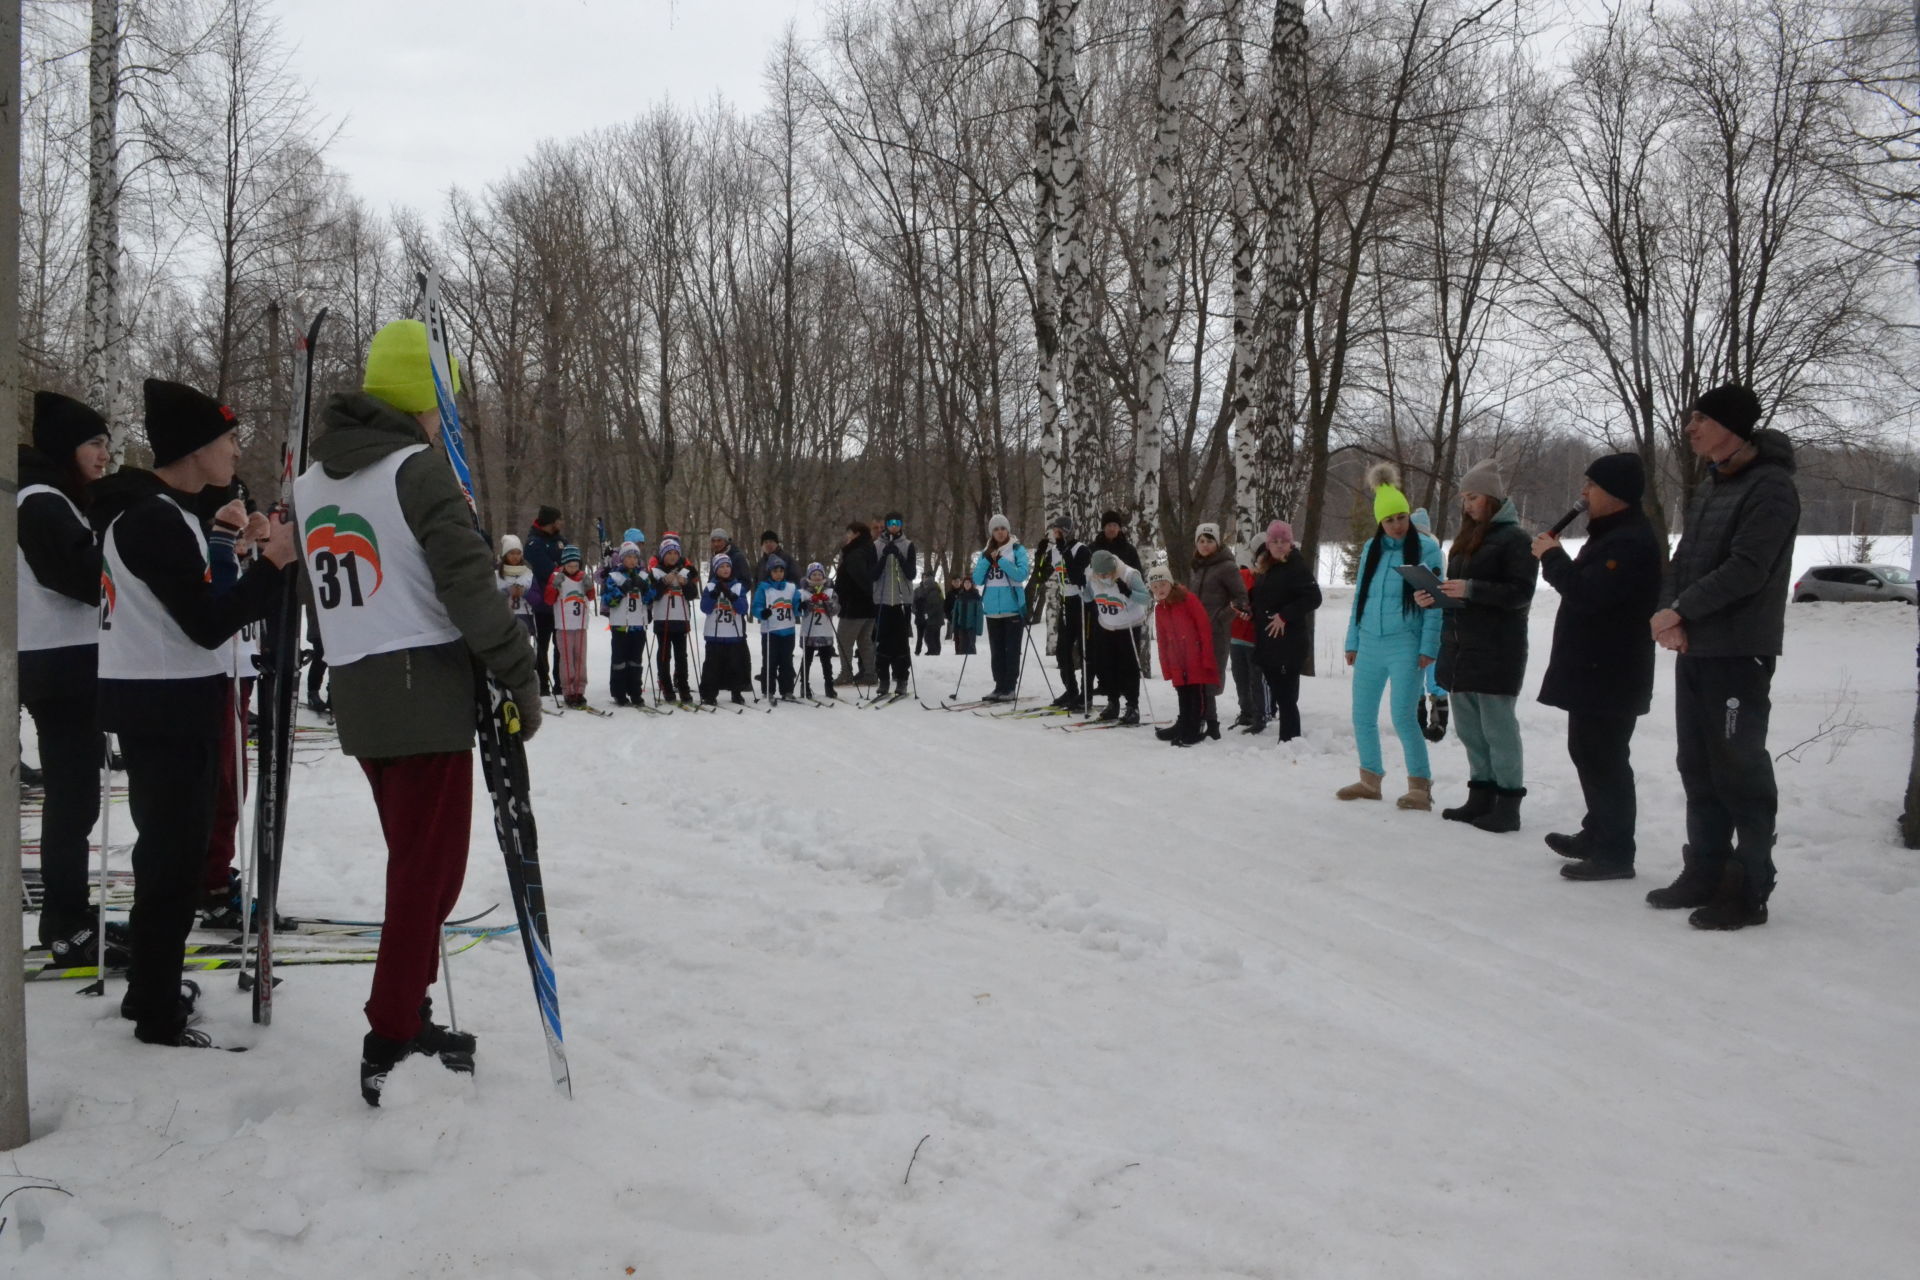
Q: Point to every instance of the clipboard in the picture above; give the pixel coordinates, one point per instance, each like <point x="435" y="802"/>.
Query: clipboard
<point x="1423" y="580"/>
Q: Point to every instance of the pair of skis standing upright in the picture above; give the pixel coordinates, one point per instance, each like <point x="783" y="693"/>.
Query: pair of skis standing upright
<point x="503" y="759"/>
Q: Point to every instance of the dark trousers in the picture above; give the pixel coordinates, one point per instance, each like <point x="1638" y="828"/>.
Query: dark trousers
<point x="824" y="653"/>
<point x="1249" y="686"/>
<point x="1003" y="648"/>
<point x="542" y="643"/>
<point x="927" y="633"/>
<point x="72" y="753"/>
<point x="963" y="642"/>
<point x="778" y="661"/>
<point x="316" y="667"/>
<point x="671" y="645"/>
<point x="1116" y="664"/>
<point x="171" y="785"/>
<point x="893" y="643"/>
<point x="1283" y="693"/>
<point x="426" y="814"/>
<point x="230" y="803"/>
<point x="1066" y="646"/>
<point x="628" y="682"/>
<point x="727" y="669"/>
<point x="1721" y="707"/>
<point x="1601" y="748"/>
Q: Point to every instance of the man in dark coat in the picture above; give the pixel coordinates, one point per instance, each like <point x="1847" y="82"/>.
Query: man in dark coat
<point x="1601" y="668"/>
<point x="853" y="582"/>
<point x="1728" y="591"/>
<point x="543" y="545"/>
<point x="1113" y="538"/>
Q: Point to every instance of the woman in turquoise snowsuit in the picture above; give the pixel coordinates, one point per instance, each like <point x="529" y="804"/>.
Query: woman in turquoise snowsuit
<point x="1391" y="641"/>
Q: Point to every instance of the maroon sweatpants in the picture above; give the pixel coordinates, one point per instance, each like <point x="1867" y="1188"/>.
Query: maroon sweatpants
<point x="232" y="793"/>
<point x="426" y="813"/>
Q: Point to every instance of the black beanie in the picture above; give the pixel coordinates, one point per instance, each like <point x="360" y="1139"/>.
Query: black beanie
<point x="1621" y="475"/>
<point x="1732" y="406"/>
<point x="62" y="424"/>
<point x="769" y="536"/>
<point x="1112" y="517"/>
<point x="180" y="420"/>
<point x="894" y="517"/>
<point x="546" y="515"/>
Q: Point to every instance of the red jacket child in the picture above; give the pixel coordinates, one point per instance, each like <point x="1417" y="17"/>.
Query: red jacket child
<point x="1184" y="634"/>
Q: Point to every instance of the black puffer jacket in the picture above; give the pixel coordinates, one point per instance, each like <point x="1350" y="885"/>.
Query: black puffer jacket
<point x="1731" y="571"/>
<point x="1483" y="647"/>
<point x="63" y="554"/>
<point x="1602" y="661"/>
<point x="1121" y="546"/>
<point x="1286" y="590"/>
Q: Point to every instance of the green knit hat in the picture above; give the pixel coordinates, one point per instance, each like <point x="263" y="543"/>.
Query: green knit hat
<point x="400" y="372"/>
<point x="1388" y="501"/>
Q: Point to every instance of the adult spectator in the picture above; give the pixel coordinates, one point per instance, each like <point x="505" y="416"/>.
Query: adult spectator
<point x="1601" y="669"/>
<point x="1215" y="579"/>
<point x="929" y="614"/>
<point x="1113" y="537"/>
<point x="853" y="582"/>
<point x="544" y="542"/>
<point x="772" y="553"/>
<point x="1483" y="647"/>
<point x="1065" y="557"/>
<point x="1728" y="587"/>
<point x="1283" y="600"/>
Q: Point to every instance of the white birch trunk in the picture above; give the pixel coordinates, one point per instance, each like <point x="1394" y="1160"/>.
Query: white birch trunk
<point x="100" y="359"/>
<point x="1241" y="158"/>
<point x="1082" y="430"/>
<point x="1275" y="472"/>
<point x="1054" y="422"/>
<point x="1170" y="57"/>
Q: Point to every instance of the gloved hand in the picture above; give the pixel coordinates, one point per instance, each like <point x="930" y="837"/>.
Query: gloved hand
<point x="527" y="702"/>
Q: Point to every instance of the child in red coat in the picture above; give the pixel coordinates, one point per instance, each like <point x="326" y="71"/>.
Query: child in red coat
<point x="1185" y="636"/>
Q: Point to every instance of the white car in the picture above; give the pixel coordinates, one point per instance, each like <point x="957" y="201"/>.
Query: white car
<point x="1847" y="583"/>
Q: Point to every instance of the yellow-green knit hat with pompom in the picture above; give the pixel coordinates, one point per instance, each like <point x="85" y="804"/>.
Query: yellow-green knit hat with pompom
<point x="399" y="370"/>
<point x="1384" y="479"/>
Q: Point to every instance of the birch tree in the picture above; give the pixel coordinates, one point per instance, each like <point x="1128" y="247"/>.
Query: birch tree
<point x="100" y="357"/>
<point x="1170" y="62"/>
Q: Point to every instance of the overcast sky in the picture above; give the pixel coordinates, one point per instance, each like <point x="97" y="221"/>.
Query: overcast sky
<point x="442" y="93"/>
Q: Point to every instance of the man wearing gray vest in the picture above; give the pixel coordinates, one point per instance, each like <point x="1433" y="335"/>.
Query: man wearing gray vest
<point x="404" y="590"/>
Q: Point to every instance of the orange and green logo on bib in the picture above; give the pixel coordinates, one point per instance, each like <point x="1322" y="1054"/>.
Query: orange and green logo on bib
<point x="340" y="534"/>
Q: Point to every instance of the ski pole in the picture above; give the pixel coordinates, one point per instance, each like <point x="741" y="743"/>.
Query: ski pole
<point x="99" y="985"/>
<point x="446" y="980"/>
<point x="1034" y="646"/>
<point x="962" y="678"/>
<point x="1146" y="690"/>
<point x="248" y="869"/>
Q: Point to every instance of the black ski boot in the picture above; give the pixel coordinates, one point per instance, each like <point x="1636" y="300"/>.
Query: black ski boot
<point x="1479" y="802"/>
<point x="74" y="943"/>
<point x="1131" y="716"/>
<point x="1110" y="712"/>
<point x="455" y="1049"/>
<point x="1693" y="888"/>
<point x="220" y="910"/>
<point x="184" y="1012"/>
<point x="739" y="699"/>
<point x="1504" y="815"/>
<point x="30" y="776"/>
<point x="378" y="1056"/>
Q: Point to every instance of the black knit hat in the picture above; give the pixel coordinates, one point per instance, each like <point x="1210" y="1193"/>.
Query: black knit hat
<point x="1732" y="406"/>
<point x="546" y="515"/>
<point x="62" y="424"/>
<point x="894" y="517"/>
<point x="1111" y="517"/>
<point x="1621" y="475"/>
<point x="768" y="535"/>
<point x="180" y="420"/>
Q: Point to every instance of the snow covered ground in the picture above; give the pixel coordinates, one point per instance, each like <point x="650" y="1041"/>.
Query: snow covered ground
<point x="1138" y="1011"/>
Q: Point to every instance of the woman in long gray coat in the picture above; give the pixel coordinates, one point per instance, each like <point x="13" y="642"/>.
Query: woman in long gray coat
<point x="1215" y="578"/>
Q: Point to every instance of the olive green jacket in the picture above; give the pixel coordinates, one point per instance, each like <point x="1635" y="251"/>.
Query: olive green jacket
<point x="421" y="701"/>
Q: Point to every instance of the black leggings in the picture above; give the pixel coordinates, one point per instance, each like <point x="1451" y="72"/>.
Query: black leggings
<point x="72" y="752"/>
<point x="1003" y="643"/>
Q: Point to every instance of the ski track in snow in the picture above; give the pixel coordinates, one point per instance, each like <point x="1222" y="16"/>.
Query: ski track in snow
<point x="1154" y="1012"/>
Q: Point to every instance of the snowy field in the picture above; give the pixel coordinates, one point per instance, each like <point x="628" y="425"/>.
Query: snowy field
<point x="1139" y="1011"/>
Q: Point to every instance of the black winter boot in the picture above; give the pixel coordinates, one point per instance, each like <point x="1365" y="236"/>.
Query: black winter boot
<point x="1111" y="711"/>
<point x="378" y="1056"/>
<point x="1597" y="869"/>
<point x="1693" y="888"/>
<point x="1505" y="813"/>
<point x="1732" y="906"/>
<point x="1132" y="713"/>
<point x="1569" y="846"/>
<point x="443" y="1043"/>
<point x="1479" y="803"/>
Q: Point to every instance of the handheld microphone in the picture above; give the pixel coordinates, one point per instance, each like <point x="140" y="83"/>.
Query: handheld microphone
<point x="1569" y="518"/>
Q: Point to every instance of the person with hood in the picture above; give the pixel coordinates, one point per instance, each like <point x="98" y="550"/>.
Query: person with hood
<point x="895" y="569"/>
<point x="1215" y="578"/>
<point x="166" y="674"/>
<point x="671" y="595"/>
<point x="853" y="583"/>
<point x="544" y="541"/>
<point x="1283" y="600"/>
<point x="1391" y="640"/>
<point x="1120" y="600"/>
<point x="1000" y="571"/>
<point x="929" y="614"/>
<point x="1063" y="568"/>
<point x="1188" y="658"/>
<point x="1601" y="668"/>
<point x="1434" y="711"/>
<point x="623" y="598"/>
<point x="404" y="587"/>
<point x="58" y="598"/>
<point x="1483" y="646"/>
<point x="1727" y="593"/>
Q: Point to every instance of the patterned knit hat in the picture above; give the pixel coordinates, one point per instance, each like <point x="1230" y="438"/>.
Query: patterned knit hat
<point x="570" y="555"/>
<point x="719" y="562"/>
<point x="816" y="567"/>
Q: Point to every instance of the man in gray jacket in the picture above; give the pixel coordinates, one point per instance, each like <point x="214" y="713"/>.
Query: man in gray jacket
<point x="1727" y="593"/>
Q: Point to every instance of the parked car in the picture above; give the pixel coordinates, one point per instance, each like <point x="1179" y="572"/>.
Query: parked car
<point x="1846" y="583"/>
